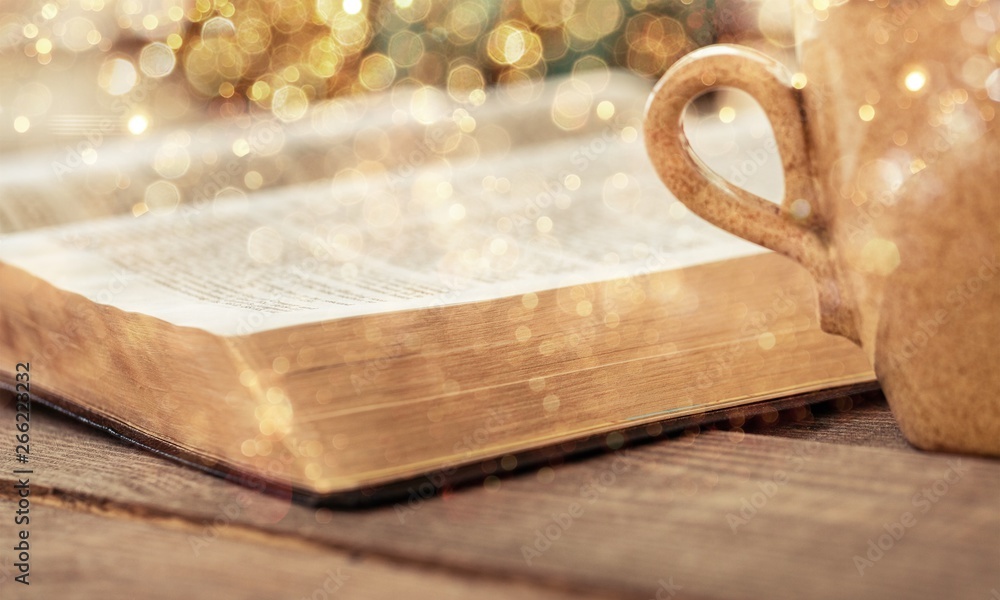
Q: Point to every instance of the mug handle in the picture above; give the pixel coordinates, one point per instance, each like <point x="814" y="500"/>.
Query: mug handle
<point x="794" y="228"/>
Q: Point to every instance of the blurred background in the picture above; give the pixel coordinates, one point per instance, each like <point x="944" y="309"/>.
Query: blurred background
<point x="129" y="67"/>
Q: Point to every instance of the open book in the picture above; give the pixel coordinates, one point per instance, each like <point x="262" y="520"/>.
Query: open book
<point x="397" y="285"/>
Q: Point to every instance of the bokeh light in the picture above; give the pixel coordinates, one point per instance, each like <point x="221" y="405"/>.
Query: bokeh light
<point x="157" y="60"/>
<point x="284" y="56"/>
<point x="117" y="76"/>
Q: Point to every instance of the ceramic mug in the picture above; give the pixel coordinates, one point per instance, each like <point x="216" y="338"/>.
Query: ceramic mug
<point x="888" y="140"/>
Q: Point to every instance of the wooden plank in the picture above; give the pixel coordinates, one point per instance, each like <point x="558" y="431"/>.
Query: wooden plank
<point x="856" y="420"/>
<point x="657" y="513"/>
<point x="87" y="554"/>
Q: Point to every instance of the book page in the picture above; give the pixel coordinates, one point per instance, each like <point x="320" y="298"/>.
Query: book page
<point x="100" y="173"/>
<point x="583" y="208"/>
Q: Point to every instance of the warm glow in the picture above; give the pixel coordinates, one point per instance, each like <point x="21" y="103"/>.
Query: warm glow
<point x="117" y="76"/>
<point x="915" y="81"/>
<point x="137" y="124"/>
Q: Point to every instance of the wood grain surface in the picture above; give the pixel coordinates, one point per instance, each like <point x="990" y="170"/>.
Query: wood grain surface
<point x="780" y="508"/>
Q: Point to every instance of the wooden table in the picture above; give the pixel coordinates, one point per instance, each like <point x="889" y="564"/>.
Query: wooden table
<point x="825" y="501"/>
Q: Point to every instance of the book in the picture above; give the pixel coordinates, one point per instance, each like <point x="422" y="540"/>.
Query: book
<point x="398" y="286"/>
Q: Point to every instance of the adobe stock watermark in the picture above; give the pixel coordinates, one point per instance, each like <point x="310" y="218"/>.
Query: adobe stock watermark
<point x="956" y="298"/>
<point x="667" y="590"/>
<point x="85" y="314"/>
<point x="560" y="522"/>
<point x="769" y="487"/>
<point x="658" y="259"/>
<point x="228" y="513"/>
<point x="555" y="190"/>
<point x="259" y="137"/>
<point x="896" y="530"/>
<point x="754" y="159"/>
<point x="881" y="27"/>
<point x="84" y="153"/>
<point x="12" y="36"/>
<point x="424" y="149"/>
<point x="721" y="366"/>
<point x="335" y="580"/>
<point x="367" y="373"/>
<point x="235" y="509"/>
<point x="863" y="223"/>
<point x="436" y="480"/>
